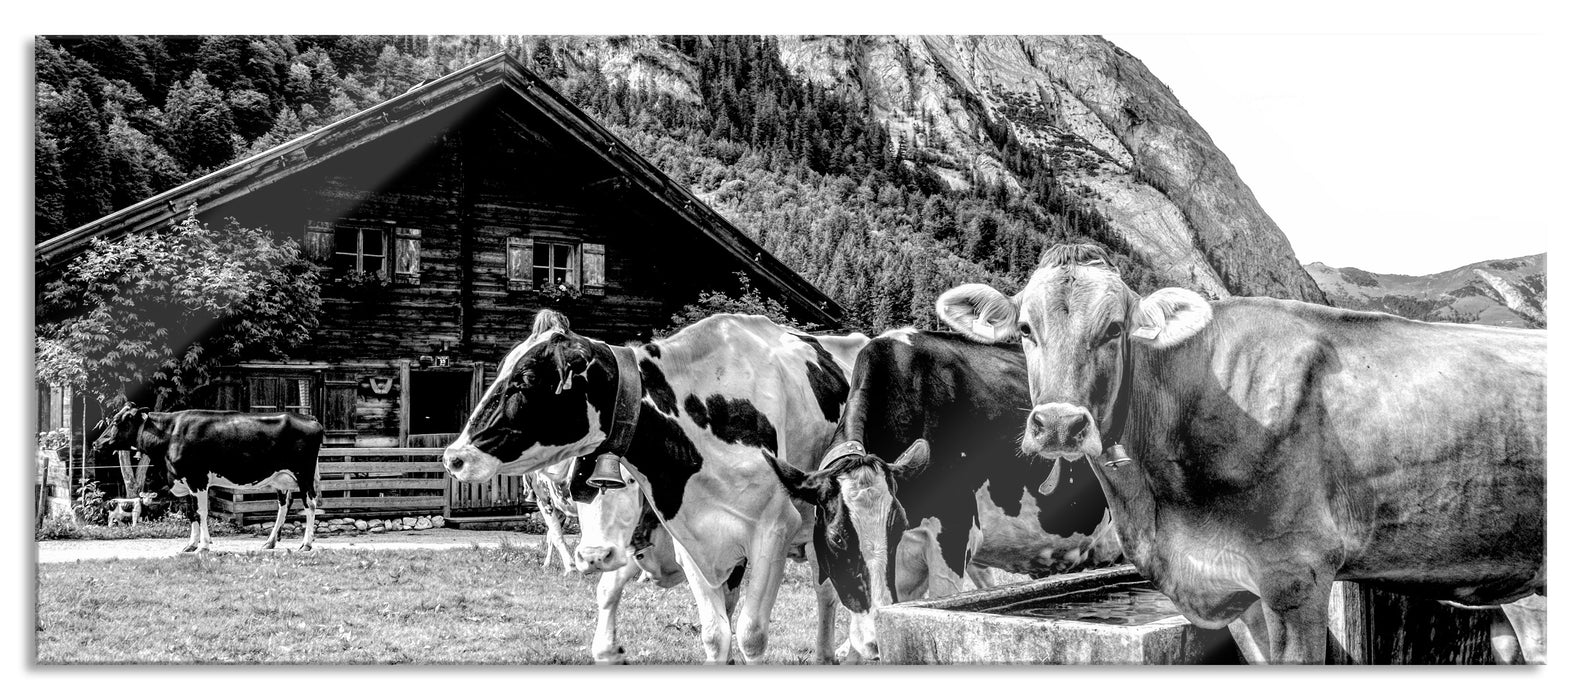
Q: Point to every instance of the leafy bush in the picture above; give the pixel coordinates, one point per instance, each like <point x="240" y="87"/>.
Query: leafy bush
<point x="750" y="301"/>
<point x="171" y="525"/>
<point x="157" y="310"/>
<point x="88" y="502"/>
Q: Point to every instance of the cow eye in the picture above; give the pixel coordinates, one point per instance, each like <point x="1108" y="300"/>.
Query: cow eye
<point x="1026" y="331"/>
<point x="1113" y="330"/>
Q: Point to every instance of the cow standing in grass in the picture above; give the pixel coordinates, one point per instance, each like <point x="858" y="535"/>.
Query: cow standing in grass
<point x="550" y="492"/>
<point x="203" y="448"/>
<point x="619" y="525"/>
<point x="691" y="414"/>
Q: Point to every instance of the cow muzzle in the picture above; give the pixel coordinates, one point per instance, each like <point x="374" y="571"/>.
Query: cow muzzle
<point x="1061" y="430"/>
<point x="468" y="463"/>
<point x="600" y="558"/>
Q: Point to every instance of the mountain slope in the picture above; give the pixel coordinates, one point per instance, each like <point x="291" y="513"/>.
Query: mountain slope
<point x="1010" y="110"/>
<point x="1512" y="293"/>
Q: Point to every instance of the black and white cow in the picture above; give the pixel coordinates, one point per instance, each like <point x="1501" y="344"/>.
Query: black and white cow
<point x="946" y="412"/>
<point x="690" y="413"/>
<point x="202" y="448"/>
<point x="552" y="494"/>
<point x="619" y="525"/>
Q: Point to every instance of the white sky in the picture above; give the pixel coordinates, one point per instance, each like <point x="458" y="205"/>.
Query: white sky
<point x="1391" y="153"/>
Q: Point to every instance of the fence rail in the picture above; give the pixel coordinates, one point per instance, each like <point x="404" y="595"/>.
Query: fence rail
<point x="354" y="481"/>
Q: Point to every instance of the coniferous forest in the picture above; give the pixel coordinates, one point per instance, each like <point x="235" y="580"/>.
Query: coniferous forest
<point x="801" y="168"/>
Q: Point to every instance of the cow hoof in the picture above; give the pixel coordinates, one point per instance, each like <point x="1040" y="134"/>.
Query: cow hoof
<point x="305" y="548"/>
<point x="269" y="545"/>
<point x="189" y="548"/>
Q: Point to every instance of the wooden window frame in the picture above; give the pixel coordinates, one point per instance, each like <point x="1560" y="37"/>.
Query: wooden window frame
<point x="516" y="281"/>
<point x="386" y="256"/>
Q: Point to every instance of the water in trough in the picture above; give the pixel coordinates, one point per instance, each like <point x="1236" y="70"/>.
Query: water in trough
<point x="1124" y="604"/>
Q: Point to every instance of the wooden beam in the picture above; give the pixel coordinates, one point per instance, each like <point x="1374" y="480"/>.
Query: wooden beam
<point x="406" y="403"/>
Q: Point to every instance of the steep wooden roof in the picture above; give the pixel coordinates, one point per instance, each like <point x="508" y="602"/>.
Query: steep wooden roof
<point x="498" y="72"/>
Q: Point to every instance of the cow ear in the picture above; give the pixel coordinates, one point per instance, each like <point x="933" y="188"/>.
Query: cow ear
<point x="1169" y="316"/>
<point x="571" y="362"/>
<point x="913" y="461"/>
<point x="798" y="483"/>
<point x="979" y="312"/>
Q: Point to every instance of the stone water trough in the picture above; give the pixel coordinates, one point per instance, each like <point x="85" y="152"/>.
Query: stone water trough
<point x="1107" y="616"/>
<point x="1114" y="616"/>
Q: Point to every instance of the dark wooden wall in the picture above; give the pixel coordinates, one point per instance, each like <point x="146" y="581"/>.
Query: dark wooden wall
<point x="470" y="179"/>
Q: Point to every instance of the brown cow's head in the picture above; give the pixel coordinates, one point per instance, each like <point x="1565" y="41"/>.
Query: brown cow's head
<point x="1075" y="319"/>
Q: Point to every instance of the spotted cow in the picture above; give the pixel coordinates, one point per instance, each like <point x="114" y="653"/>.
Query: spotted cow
<point x="925" y="458"/>
<point x="618" y="525"/>
<point x="1255" y="450"/>
<point x="690" y="413"/>
<point x="551" y="493"/>
<point x="203" y="448"/>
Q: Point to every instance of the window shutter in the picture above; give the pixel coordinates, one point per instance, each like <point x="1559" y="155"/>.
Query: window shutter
<point x="593" y="269"/>
<point x="408" y="255"/>
<point x="519" y="262"/>
<point x="318" y="240"/>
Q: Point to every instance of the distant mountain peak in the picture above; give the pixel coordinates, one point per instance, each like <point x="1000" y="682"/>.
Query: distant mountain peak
<point x="1512" y="292"/>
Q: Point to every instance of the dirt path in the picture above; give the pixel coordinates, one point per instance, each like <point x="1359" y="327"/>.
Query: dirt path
<point x="53" y="551"/>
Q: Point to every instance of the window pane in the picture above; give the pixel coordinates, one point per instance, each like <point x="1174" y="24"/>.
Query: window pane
<point x="562" y="256"/>
<point x="540" y="276"/>
<point x="344" y="262"/>
<point x="374" y="264"/>
<point x="346" y="240"/>
<point x="541" y="254"/>
<point x="373" y="242"/>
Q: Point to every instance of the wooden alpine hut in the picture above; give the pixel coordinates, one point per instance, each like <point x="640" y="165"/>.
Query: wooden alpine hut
<point x="442" y="220"/>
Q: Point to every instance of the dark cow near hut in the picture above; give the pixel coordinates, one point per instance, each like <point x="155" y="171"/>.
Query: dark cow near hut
<point x="1256" y="450"/>
<point x="948" y="411"/>
<point x="202" y="448"/>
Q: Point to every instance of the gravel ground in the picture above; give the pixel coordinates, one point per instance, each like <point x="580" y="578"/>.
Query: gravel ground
<point x="52" y="551"/>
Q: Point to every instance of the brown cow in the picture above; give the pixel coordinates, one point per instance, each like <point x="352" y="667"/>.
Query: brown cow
<point x="1277" y="446"/>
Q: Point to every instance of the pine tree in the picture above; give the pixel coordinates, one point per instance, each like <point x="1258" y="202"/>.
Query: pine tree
<point x="199" y="124"/>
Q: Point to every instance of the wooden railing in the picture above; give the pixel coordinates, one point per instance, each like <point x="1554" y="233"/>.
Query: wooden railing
<point x="353" y="481"/>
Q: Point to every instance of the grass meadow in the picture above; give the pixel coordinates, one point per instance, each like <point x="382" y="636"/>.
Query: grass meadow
<point x="480" y="605"/>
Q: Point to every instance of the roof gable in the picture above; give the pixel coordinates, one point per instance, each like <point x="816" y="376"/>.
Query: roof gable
<point x="498" y="72"/>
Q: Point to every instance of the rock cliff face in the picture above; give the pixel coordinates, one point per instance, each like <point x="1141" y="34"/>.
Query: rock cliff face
<point x="1511" y="293"/>
<point x="1117" y="137"/>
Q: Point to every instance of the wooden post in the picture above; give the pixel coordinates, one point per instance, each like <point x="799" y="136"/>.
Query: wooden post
<point x="406" y="403"/>
<point x="1372" y="626"/>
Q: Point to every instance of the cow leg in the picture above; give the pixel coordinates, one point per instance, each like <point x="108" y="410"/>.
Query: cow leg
<point x="768" y="568"/>
<point x="713" y="619"/>
<point x="203" y="519"/>
<point x="606" y="647"/>
<point x="1530" y="618"/>
<point x="284" y="498"/>
<point x="1298" y="623"/>
<point x="824" y="641"/>
<point x="137" y="511"/>
<point x="192" y="541"/>
<point x="1251" y="633"/>
<point x="1502" y="641"/>
<point x="310" y="507"/>
<point x="555" y="541"/>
